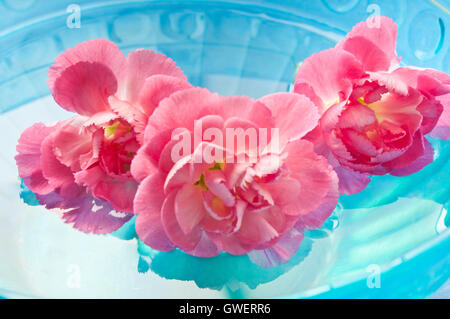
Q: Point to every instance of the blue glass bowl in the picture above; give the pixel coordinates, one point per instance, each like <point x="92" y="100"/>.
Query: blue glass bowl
<point x="391" y="240"/>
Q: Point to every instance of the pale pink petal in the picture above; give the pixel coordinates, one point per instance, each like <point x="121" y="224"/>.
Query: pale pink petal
<point x="316" y="218"/>
<point x="442" y="128"/>
<point x="356" y="116"/>
<point x="147" y="157"/>
<point x="28" y="159"/>
<point x="187" y="242"/>
<point x="84" y="88"/>
<point x="416" y="150"/>
<point x="158" y="87"/>
<point x="100" y="118"/>
<point x="94" y="51"/>
<point x="69" y="143"/>
<point x="58" y="174"/>
<point x="255" y="229"/>
<point x="90" y="215"/>
<point x="131" y="113"/>
<point x="350" y="181"/>
<point x="189" y="209"/>
<point x="373" y="42"/>
<point x="182" y="108"/>
<point x="294" y="114"/>
<point x="205" y="247"/>
<point x="90" y="177"/>
<point x="148" y="204"/>
<point x="119" y="194"/>
<point x="142" y="64"/>
<point x="312" y="171"/>
<point x="428" y="81"/>
<point x="229" y="243"/>
<point x="215" y="181"/>
<point x="418" y="164"/>
<point x="359" y="143"/>
<point x="330" y="75"/>
<point x="150" y="230"/>
<point x="283" y="191"/>
<point x="280" y="252"/>
<point x="84" y="212"/>
<point x="37" y="183"/>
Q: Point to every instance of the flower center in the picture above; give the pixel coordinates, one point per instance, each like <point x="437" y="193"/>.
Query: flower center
<point x="119" y="146"/>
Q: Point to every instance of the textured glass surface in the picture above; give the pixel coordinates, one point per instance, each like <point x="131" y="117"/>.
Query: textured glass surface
<point x="397" y="227"/>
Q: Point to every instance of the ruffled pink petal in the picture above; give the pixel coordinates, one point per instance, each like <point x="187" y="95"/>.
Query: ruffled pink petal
<point x="241" y="127"/>
<point x="418" y="164"/>
<point x="229" y="243"/>
<point x="294" y="114"/>
<point x="93" y="216"/>
<point x="84" y="212"/>
<point x="215" y="181"/>
<point x="280" y="252"/>
<point x="359" y="143"/>
<point x="166" y="158"/>
<point x="142" y="64"/>
<point x="29" y="148"/>
<point x="328" y="123"/>
<point x="37" y="183"/>
<point x="100" y="118"/>
<point x="189" y="209"/>
<point x="119" y="193"/>
<point x="148" y="204"/>
<point x="374" y="45"/>
<point x="330" y="75"/>
<point x="313" y="172"/>
<point x="84" y="88"/>
<point x="404" y="112"/>
<point x="427" y="81"/>
<point x="416" y="150"/>
<point x="90" y="177"/>
<point x="245" y="108"/>
<point x="94" y="51"/>
<point x="255" y="229"/>
<point x="183" y="172"/>
<point x="350" y="181"/>
<point x="69" y="143"/>
<point x="431" y="110"/>
<point x="356" y="116"/>
<point x="158" y="87"/>
<point x="442" y="128"/>
<point x="57" y="174"/>
<point x="205" y="247"/>
<point x="147" y="158"/>
<point x="131" y="113"/>
<point x="28" y="159"/>
<point x="187" y="242"/>
<point x="181" y="109"/>
<point x="316" y="218"/>
<point x="283" y="191"/>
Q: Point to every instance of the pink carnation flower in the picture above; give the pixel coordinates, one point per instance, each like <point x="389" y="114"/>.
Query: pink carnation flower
<point x="82" y="165"/>
<point x="373" y="116"/>
<point x="203" y="205"/>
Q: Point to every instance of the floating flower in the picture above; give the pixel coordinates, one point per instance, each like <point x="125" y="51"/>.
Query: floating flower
<point x="205" y="192"/>
<point x="373" y="116"/>
<point x="82" y="165"/>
